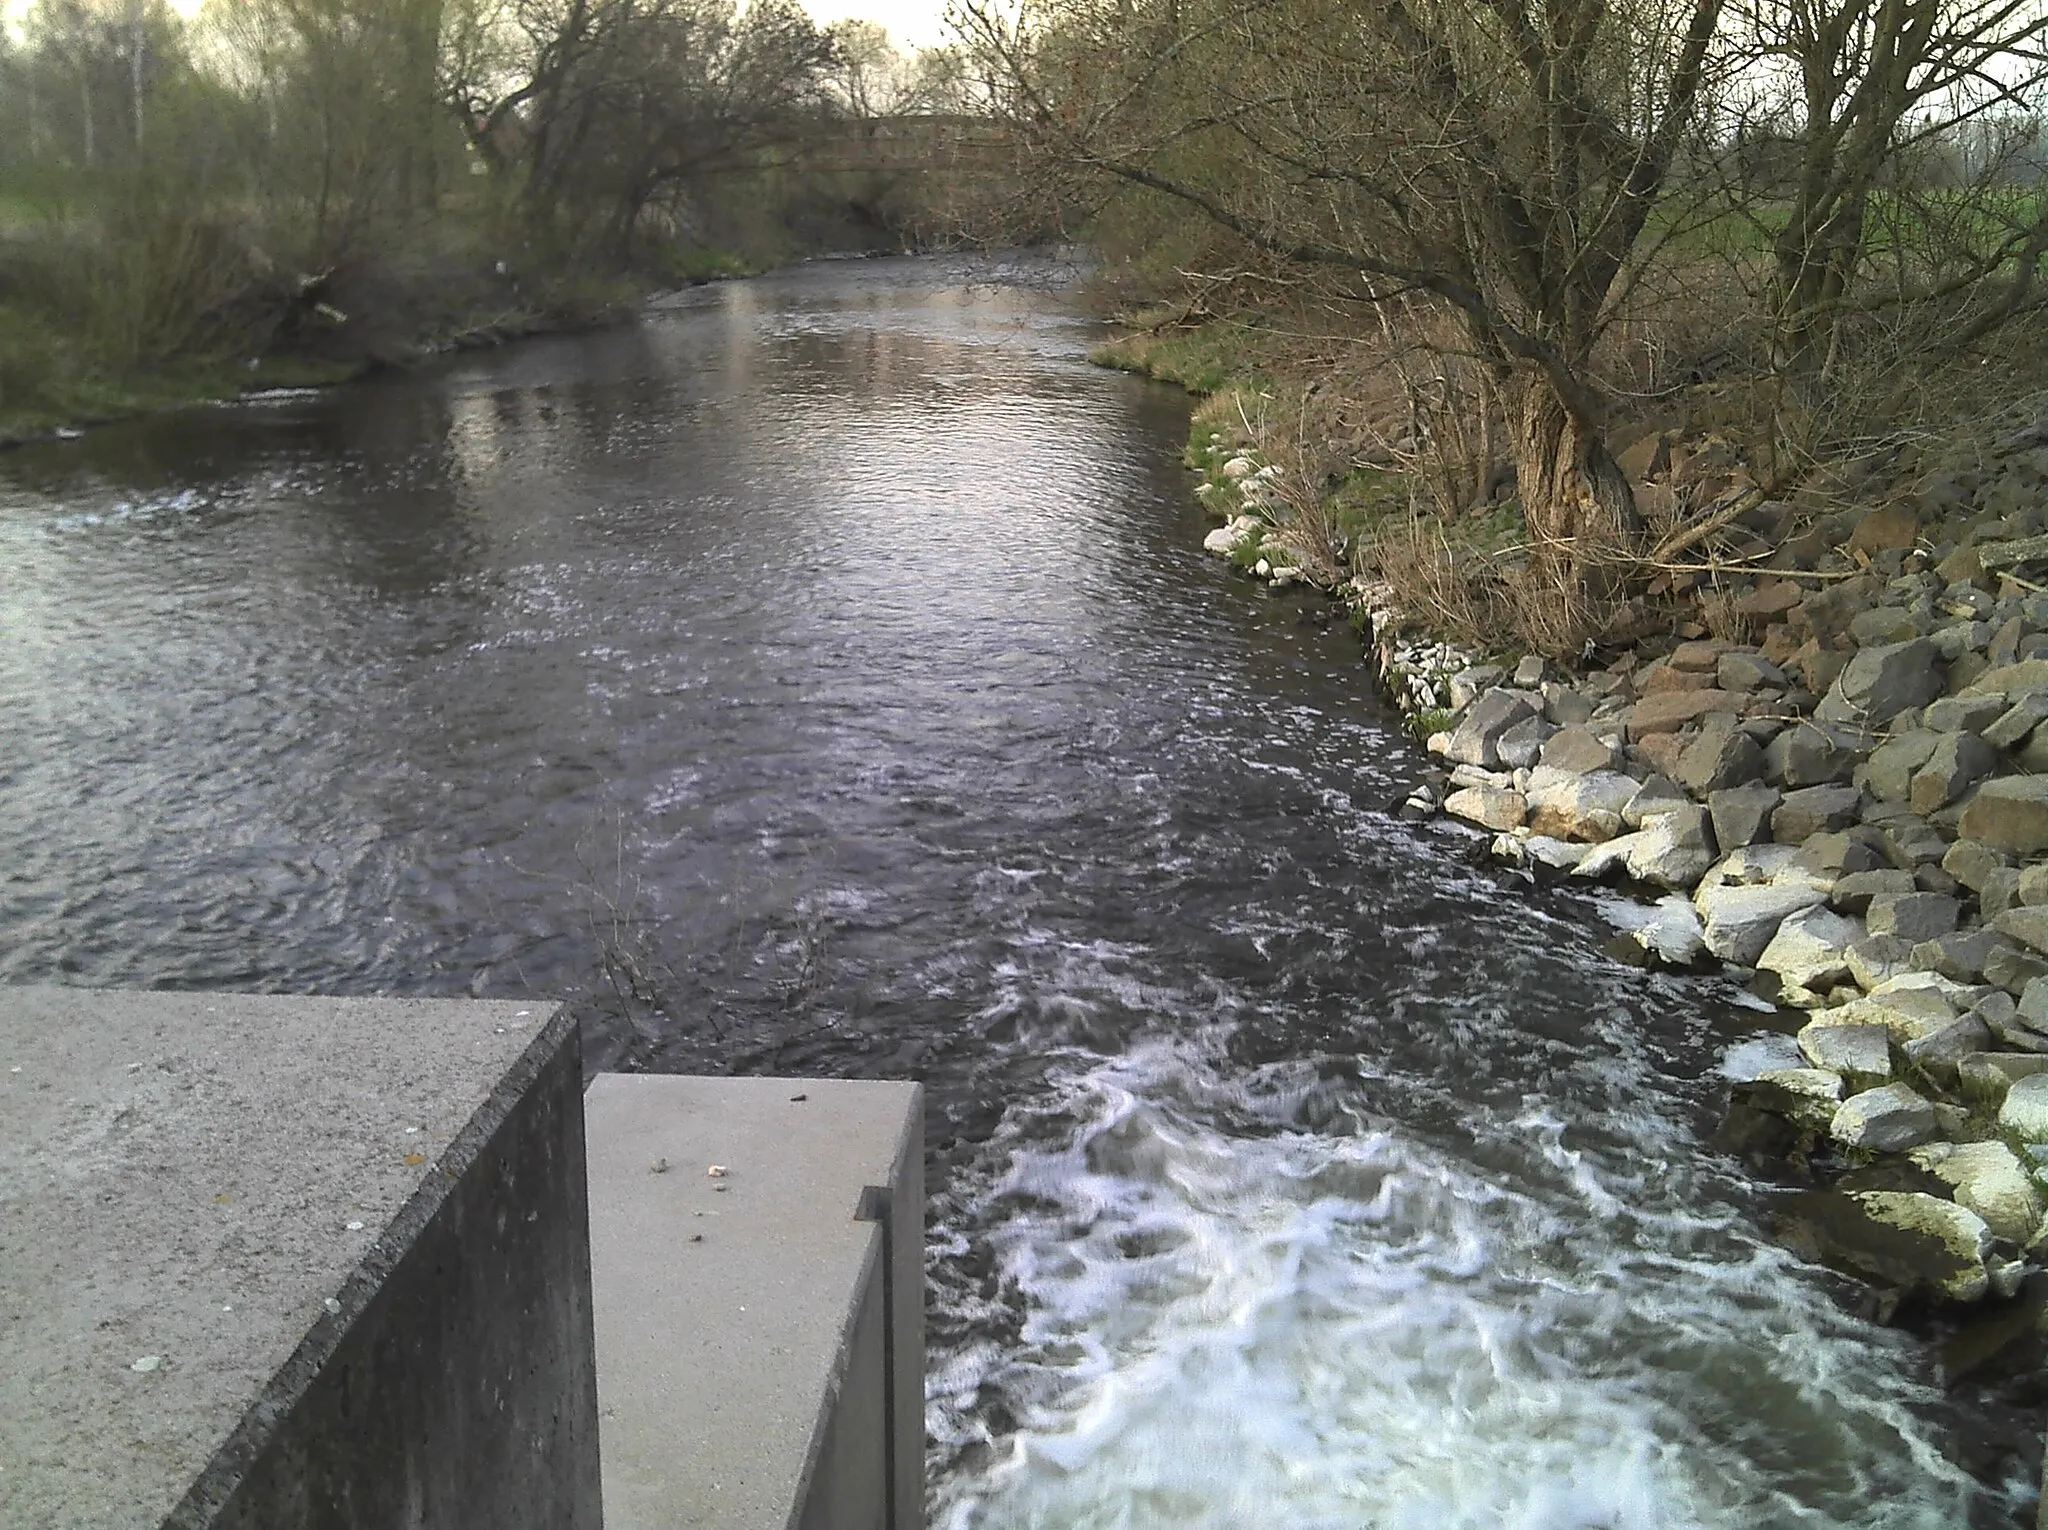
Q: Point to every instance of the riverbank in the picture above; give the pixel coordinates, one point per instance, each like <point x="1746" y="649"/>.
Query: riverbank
<point x="1826" y="772"/>
<point x="337" y="330"/>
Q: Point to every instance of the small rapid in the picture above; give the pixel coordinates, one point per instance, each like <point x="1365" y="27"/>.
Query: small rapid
<point x="1252" y="1298"/>
<point x="822" y="676"/>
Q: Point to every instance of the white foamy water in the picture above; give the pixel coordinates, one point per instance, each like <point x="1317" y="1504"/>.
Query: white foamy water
<point x="1232" y="1317"/>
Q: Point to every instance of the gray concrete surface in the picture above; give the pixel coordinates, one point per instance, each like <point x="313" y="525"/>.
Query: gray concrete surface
<point x="232" y="1233"/>
<point x="760" y="1338"/>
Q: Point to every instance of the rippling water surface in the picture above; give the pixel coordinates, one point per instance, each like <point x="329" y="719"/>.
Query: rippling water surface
<point x="822" y="676"/>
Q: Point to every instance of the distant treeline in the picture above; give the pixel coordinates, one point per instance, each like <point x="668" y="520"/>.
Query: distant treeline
<point x="334" y="178"/>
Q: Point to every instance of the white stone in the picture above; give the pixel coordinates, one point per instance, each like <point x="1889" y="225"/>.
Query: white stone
<point x="1750" y="865"/>
<point x="1807" y="952"/>
<point x="1741" y="918"/>
<point x="1673" y="850"/>
<point x="1487" y="806"/>
<point x="1960" y="1231"/>
<point x="1860" y="1053"/>
<point x="1990" y="1180"/>
<point x="2025" y="1111"/>
<point x="1572" y="806"/>
<point x="1668" y="929"/>
<point x="1887" y="1119"/>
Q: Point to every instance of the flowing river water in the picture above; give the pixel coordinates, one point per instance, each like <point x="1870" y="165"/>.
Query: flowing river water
<point x="823" y="676"/>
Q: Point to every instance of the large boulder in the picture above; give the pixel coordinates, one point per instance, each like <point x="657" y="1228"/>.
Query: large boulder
<point x="1905" y="1014"/>
<point x="1673" y="850"/>
<point x="1961" y="956"/>
<point x="2028" y="926"/>
<point x="2029" y="677"/>
<point x="1753" y="865"/>
<point x="1814" y="810"/>
<point x="1877" y="959"/>
<point x="1490" y="807"/>
<point x="1476" y="740"/>
<point x="2032" y="886"/>
<point x="1881" y="682"/>
<point x="1653" y="799"/>
<point x="1959" y="761"/>
<point x="1987" y="1077"/>
<point x="1911" y="841"/>
<point x="1569" y="806"/>
<point x="1748" y="672"/>
<point x="1520" y="746"/>
<point x="1577" y="751"/>
<point x="1809" y="754"/>
<point x="1972" y="864"/>
<point x="2009" y="729"/>
<point x="1987" y="1178"/>
<point x="1742" y="814"/>
<point x="1672" y="710"/>
<point x="2009" y="814"/>
<point x="1860" y="1054"/>
<point x="1854" y="892"/>
<point x="1961" y="714"/>
<point x="1918" y="1245"/>
<point x="1940" y="1052"/>
<point x="2033" y="1005"/>
<point x="1468" y="685"/>
<point x="1912" y="916"/>
<point x="1668" y="929"/>
<point x="1809" y="950"/>
<point x="1805" y="1096"/>
<point x="1889" y="772"/>
<point x="1741" y="919"/>
<point x="1723" y="755"/>
<point x="1888" y="1119"/>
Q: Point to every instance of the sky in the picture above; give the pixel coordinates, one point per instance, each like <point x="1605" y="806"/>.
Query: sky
<point x="911" y="23"/>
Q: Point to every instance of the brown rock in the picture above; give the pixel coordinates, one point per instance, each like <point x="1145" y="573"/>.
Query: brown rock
<point x="1669" y="712"/>
<point x="1961" y="567"/>
<point x="1662" y="751"/>
<point x="2026" y="678"/>
<point x="1662" y="679"/>
<point x="1780" y="642"/>
<point x="1891" y="526"/>
<point x="1701" y="657"/>
<point x="2009" y="814"/>
<point x="1770" y="600"/>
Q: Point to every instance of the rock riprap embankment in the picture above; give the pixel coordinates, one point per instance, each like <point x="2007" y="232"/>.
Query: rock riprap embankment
<point x="1864" y="825"/>
<point x="1847" y="796"/>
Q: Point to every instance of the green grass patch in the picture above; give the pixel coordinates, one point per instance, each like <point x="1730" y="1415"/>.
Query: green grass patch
<point x="1201" y="359"/>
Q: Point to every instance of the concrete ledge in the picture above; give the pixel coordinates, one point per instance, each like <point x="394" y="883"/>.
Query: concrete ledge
<point x="760" y="1332"/>
<point x="286" y="1261"/>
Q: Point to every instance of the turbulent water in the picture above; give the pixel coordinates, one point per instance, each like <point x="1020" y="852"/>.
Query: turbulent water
<point x="822" y="676"/>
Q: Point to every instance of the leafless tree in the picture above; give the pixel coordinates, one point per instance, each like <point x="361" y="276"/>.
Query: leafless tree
<point x="1500" y="160"/>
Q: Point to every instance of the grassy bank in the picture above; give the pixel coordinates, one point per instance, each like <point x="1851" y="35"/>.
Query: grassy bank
<point x="1301" y="456"/>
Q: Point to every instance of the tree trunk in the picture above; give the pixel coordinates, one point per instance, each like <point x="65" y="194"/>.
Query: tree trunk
<point x="1581" y="512"/>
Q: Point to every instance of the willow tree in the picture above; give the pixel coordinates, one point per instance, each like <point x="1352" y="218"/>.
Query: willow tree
<point x="1499" y="160"/>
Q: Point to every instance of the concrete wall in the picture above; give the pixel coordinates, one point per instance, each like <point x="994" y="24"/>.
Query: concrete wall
<point x="760" y="1331"/>
<point x="292" y="1262"/>
<point x="330" y="1264"/>
<point x="463" y="1390"/>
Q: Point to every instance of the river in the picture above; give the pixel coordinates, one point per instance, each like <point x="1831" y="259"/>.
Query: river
<point x="822" y="676"/>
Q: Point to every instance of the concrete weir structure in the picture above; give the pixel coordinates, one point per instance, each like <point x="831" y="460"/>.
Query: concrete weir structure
<point x="326" y="1263"/>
